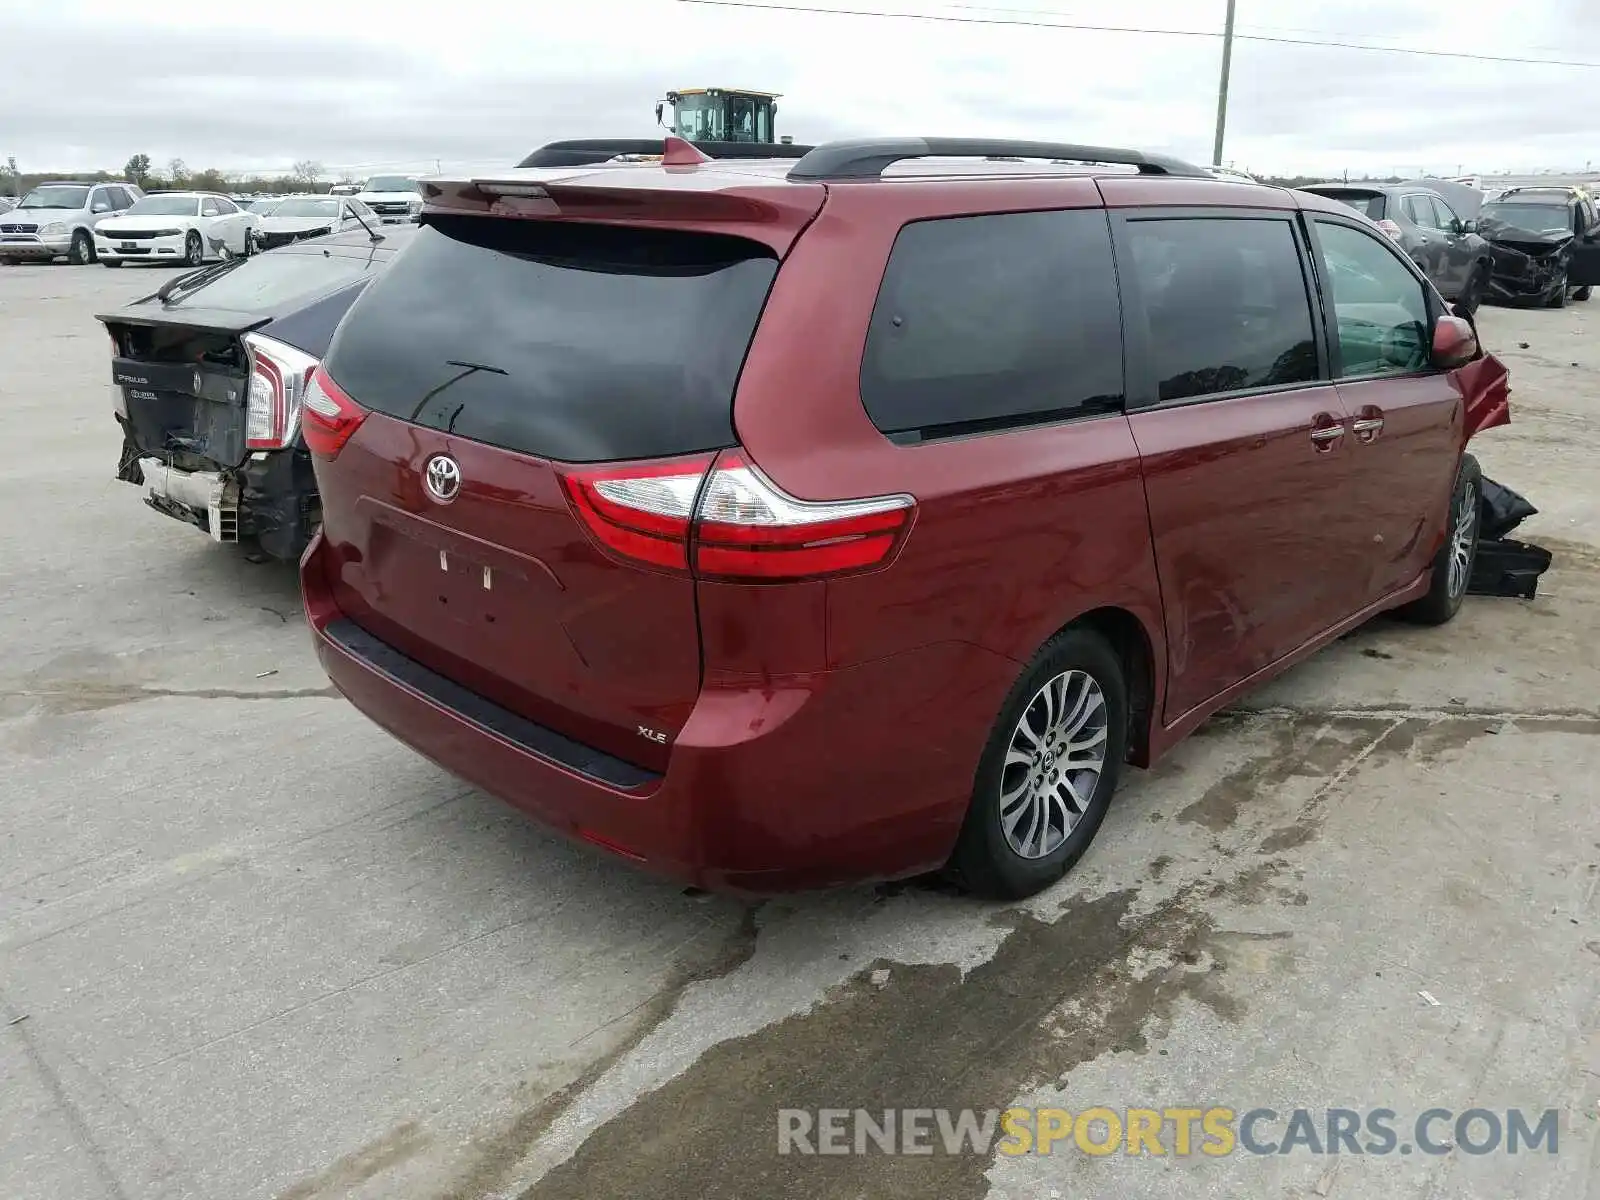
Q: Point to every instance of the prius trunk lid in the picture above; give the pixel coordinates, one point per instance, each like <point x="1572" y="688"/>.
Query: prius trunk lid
<point x="497" y="364"/>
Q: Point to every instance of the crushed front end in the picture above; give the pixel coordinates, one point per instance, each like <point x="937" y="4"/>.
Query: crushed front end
<point x="1529" y="271"/>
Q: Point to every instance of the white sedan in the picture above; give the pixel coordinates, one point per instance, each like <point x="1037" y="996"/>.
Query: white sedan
<point x="180" y="227"/>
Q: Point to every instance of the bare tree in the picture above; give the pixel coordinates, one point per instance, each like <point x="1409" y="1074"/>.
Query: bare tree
<point x="178" y="172"/>
<point x="306" y="172"/>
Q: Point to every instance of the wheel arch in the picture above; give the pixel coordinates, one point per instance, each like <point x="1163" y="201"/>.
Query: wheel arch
<point x="1135" y="648"/>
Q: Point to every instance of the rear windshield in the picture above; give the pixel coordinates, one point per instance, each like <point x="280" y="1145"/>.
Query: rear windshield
<point x="1368" y="204"/>
<point x="583" y="343"/>
<point x="268" y="281"/>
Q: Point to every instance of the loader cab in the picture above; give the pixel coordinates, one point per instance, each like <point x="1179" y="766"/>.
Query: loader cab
<point x="719" y="115"/>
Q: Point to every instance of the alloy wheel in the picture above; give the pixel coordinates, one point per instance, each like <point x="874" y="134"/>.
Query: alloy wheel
<point x="1462" y="535"/>
<point x="1053" y="764"/>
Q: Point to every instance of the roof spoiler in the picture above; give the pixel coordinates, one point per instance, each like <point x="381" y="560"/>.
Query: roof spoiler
<point x="867" y="158"/>
<point x="589" y="151"/>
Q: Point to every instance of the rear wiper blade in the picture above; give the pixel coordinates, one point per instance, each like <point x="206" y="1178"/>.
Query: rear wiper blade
<point x="194" y="279"/>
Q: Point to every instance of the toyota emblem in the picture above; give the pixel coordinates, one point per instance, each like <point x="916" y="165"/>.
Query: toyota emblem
<point x="443" y="477"/>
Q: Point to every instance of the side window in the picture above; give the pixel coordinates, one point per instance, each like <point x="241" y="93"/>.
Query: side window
<point x="1444" y="215"/>
<point x="1380" y="308"/>
<point x="209" y="208"/>
<point x="225" y="206"/>
<point x="1226" y="304"/>
<point x="120" y="198"/>
<point x="1417" y="211"/>
<point x="987" y="321"/>
<point x="100" y="200"/>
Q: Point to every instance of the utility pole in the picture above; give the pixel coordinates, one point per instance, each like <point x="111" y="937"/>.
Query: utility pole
<point x="1222" y="89"/>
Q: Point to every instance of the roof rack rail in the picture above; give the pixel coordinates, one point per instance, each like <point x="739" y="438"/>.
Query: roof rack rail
<point x="588" y="151"/>
<point x="866" y="158"/>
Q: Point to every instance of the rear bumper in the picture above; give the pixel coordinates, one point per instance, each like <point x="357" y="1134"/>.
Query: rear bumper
<point x="773" y="785"/>
<point x="272" y="498"/>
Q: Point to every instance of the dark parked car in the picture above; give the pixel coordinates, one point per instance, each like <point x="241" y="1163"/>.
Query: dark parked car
<point x="207" y="378"/>
<point x="1422" y="223"/>
<point x="1544" y="245"/>
<point x="771" y="524"/>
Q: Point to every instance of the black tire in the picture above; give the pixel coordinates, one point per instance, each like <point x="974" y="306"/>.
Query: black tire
<point x="81" y="252"/>
<point x="1471" y="298"/>
<point x="194" y="250"/>
<point x="984" y="861"/>
<point x="1559" y="298"/>
<point x="1446" y="592"/>
<point x="10" y="262"/>
<point x="1583" y="293"/>
<point x="111" y="262"/>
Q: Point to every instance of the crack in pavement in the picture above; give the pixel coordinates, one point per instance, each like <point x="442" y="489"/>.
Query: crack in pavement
<point x="93" y="697"/>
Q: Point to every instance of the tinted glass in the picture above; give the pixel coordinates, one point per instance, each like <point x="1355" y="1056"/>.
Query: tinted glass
<point x="1226" y="304"/>
<point x="1445" y="215"/>
<point x="267" y="281"/>
<point x="995" y="320"/>
<point x="1369" y="204"/>
<point x="585" y="343"/>
<point x="1421" y="212"/>
<point x="1381" y="309"/>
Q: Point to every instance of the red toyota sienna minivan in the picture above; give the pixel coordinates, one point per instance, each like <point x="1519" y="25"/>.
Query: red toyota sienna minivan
<point x="783" y="523"/>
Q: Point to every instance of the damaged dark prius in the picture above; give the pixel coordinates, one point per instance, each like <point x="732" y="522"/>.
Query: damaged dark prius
<point x="207" y="376"/>
<point x="1544" y="245"/>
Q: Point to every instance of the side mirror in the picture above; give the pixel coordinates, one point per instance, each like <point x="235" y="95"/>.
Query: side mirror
<point x="660" y="108"/>
<point x="1466" y="226"/>
<point x="1455" y="343"/>
<point x="101" y="206"/>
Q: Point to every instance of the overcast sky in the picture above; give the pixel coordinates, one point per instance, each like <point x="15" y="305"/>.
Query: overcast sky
<point x="261" y="84"/>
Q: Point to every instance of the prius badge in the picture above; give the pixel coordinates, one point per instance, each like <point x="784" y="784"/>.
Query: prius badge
<point x="442" y="477"/>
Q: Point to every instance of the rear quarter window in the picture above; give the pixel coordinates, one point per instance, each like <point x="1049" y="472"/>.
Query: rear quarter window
<point x="575" y="342"/>
<point x="992" y="321"/>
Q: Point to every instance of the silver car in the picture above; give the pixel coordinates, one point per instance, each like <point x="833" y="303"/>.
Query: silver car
<point x="57" y="220"/>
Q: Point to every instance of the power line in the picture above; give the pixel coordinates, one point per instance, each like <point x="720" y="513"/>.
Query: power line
<point x="947" y="19"/>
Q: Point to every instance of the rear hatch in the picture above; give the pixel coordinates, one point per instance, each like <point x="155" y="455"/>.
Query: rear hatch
<point x="547" y="361"/>
<point x="180" y="368"/>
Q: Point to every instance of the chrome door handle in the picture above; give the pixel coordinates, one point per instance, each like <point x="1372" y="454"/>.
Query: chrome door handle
<point x="1330" y="433"/>
<point x="1368" y="425"/>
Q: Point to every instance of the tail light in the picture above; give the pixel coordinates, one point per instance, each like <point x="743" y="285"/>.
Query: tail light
<point x="748" y="528"/>
<point x="730" y="522"/>
<point x="641" y="512"/>
<point x="279" y="375"/>
<point x="1390" y="228"/>
<point x="328" y="415"/>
